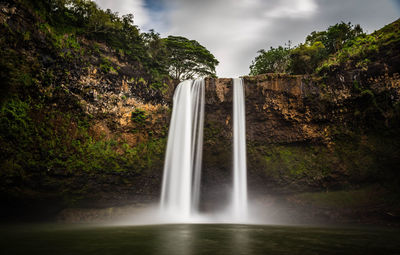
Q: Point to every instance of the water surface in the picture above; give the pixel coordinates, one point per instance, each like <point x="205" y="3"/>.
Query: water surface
<point x="196" y="239"/>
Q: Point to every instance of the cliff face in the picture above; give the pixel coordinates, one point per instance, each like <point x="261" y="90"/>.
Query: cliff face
<point x="278" y="112"/>
<point x="303" y="133"/>
<point x="79" y="122"/>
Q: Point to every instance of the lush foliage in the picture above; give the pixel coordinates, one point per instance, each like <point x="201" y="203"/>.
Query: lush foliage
<point x="157" y="58"/>
<point x="275" y="60"/>
<point x="364" y="49"/>
<point x="83" y="18"/>
<point x="306" y="57"/>
<point x="47" y="142"/>
<point x="335" y="37"/>
<point x="188" y="58"/>
<point x="354" y="158"/>
<point x="38" y="142"/>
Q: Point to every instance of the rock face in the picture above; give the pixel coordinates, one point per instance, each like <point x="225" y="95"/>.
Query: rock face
<point x="278" y="112"/>
<point x="300" y="131"/>
<point x="278" y="109"/>
<point x="284" y="109"/>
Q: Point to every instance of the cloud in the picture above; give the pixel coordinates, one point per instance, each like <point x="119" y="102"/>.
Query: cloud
<point x="292" y="9"/>
<point x="234" y="30"/>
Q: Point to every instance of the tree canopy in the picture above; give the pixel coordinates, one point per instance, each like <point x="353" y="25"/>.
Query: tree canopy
<point x="275" y="60"/>
<point x="307" y="56"/>
<point x="174" y="56"/>
<point x="188" y="58"/>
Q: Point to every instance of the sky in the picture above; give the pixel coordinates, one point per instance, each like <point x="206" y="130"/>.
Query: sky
<point x="234" y="30"/>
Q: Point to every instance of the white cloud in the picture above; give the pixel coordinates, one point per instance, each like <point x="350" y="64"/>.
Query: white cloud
<point x="233" y="30"/>
<point x="292" y="9"/>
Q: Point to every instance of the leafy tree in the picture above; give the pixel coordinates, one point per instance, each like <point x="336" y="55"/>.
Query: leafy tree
<point x="335" y="37"/>
<point x="306" y="58"/>
<point x="320" y="45"/>
<point x="156" y="54"/>
<point x="154" y="58"/>
<point x="188" y="59"/>
<point x="275" y="60"/>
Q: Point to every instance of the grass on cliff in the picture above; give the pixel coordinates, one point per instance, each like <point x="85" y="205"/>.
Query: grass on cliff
<point x="365" y="49"/>
<point x="41" y="148"/>
<point x="354" y="158"/>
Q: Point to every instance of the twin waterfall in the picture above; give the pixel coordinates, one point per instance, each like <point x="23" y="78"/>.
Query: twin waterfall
<point x="180" y="193"/>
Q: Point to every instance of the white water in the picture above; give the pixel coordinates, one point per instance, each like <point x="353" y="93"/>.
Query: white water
<point x="239" y="194"/>
<point x="182" y="168"/>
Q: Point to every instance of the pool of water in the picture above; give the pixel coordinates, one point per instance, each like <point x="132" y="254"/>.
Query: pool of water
<point x="196" y="239"/>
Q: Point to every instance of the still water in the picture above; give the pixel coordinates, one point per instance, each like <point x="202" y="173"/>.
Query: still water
<point x="196" y="239"/>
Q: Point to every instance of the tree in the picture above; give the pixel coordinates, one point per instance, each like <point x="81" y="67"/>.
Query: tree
<point x="318" y="46"/>
<point x="156" y="61"/>
<point x="188" y="59"/>
<point x="335" y="37"/>
<point x="275" y="60"/>
<point x="304" y="59"/>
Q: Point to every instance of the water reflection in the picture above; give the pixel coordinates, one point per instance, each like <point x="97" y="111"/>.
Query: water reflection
<point x="203" y="239"/>
<point x="194" y="239"/>
<point x="240" y="240"/>
<point x="176" y="239"/>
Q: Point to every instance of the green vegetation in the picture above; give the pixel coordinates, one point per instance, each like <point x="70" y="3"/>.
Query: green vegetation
<point x="364" y="49"/>
<point x="139" y="115"/>
<point x="75" y="31"/>
<point x="107" y="67"/>
<point x="275" y="60"/>
<point x="354" y="158"/>
<point x="40" y="143"/>
<point x="188" y="58"/>
<point x="42" y="139"/>
<point x="297" y="165"/>
<point x="370" y="196"/>
<point x="307" y="57"/>
<point x="84" y="19"/>
<point x="321" y="50"/>
<point x="48" y="143"/>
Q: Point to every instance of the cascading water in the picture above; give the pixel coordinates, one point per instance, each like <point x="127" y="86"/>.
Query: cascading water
<point x="239" y="194"/>
<point x="182" y="168"/>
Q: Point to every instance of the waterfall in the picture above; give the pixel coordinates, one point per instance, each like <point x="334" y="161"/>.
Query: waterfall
<point x="182" y="167"/>
<point x="239" y="194"/>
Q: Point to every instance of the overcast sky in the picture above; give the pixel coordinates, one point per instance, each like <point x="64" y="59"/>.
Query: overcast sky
<point x="234" y="30"/>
